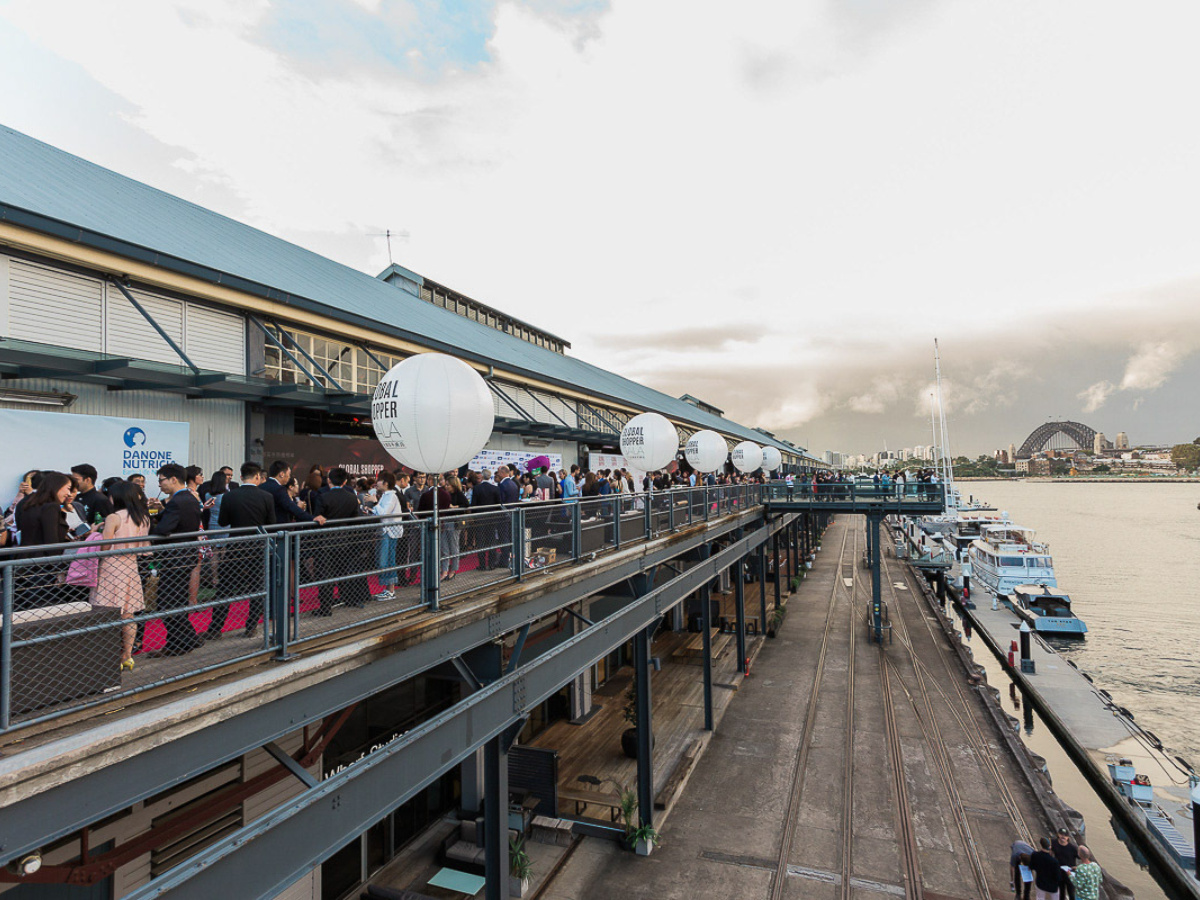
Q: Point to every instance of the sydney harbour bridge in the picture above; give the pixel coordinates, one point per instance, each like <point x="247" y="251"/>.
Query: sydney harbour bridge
<point x="1058" y="436"/>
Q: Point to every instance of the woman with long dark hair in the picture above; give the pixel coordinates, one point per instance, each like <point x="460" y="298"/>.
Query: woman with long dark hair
<point x="42" y="516"/>
<point x="117" y="581"/>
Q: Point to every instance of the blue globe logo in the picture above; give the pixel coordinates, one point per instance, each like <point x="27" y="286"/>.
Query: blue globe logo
<point x="134" y="436"/>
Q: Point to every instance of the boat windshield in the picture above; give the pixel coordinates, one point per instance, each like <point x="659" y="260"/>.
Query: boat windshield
<point x="1017" y="561"/>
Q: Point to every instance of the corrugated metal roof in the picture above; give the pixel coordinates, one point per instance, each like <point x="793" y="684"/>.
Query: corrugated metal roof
<point x="47" y="189"/>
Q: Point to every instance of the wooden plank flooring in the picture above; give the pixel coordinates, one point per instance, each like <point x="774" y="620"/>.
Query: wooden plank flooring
<point x="594" y="748"/>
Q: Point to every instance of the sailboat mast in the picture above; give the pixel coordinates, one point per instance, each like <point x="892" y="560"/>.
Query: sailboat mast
<point x="948" y="460"/>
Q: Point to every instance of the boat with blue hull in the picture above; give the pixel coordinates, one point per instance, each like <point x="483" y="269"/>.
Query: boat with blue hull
<point x="1046" y="611"/>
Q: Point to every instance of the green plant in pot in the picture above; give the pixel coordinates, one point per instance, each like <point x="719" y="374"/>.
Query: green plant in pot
<point x="644" y="839"/>
<point x="520" y="866"/>
<point x="629" y="714"/>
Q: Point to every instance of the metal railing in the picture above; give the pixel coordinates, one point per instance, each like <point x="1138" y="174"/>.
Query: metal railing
<point x="853" y="491"/>
<point x="87" y="623"/>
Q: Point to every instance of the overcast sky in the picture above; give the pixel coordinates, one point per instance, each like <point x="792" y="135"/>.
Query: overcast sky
<point x="773" y="206"/>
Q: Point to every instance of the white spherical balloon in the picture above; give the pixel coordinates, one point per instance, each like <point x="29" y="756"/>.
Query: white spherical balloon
<point x="649" y="441"/>
<point x="706" y="451"/>
<point x="772" y="459"/>
<point x="432" y="412"/>
<point x="747" y="456"/>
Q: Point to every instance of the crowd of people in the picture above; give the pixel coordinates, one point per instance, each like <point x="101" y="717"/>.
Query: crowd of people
<point x="161" y="531"/>
<point x="1057" y="869"/>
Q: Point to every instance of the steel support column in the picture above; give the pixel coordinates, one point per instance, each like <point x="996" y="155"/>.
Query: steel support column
<point x="706" y="627"/>
<point x="778" y="566"/>
<point x="739" y="600"/>
<point x="495" y="817"/>
<point x="645" y="724"/>
<point x="876" y="588"/>
<point x="762" y="586"/>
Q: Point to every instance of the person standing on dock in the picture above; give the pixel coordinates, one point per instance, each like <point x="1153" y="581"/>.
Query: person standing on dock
<point x="1046" y="871"/>
<point x="1015" y="863"/>
<point x="1087" y="876"/>
<point x="1067" y="854"/>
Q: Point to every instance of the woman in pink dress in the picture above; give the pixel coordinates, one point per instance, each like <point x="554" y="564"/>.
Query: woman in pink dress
<point x="117" y="581"/>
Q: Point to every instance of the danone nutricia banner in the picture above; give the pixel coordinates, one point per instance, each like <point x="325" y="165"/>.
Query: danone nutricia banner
<point x="115" y="445"/>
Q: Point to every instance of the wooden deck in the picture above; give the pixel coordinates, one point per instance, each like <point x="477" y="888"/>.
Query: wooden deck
<point x="594" y="748"/>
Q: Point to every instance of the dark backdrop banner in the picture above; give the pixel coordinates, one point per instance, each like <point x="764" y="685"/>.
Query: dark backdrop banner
<point x="360" y="457"/>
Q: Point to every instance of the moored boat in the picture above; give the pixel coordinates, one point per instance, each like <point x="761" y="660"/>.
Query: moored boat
<point x="1005" y="556"/>
<point x="1046" y="611"/>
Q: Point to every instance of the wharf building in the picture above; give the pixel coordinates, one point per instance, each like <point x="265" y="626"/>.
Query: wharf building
<point x="121" y="303"/>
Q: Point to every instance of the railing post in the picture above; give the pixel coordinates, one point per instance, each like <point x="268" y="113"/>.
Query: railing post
<point x="294" y="591"/>
<point x="6" y="651"/>
<point x="577" y="529"/>
<point x="617" y="527"/>
<point x="707" y="501"/>
<point x="670" y="510"/>
<point x="278" y="601"/>
<point x="430" y="567"/>
<point x="518" y="543"/>
<point x="649" y="513"/>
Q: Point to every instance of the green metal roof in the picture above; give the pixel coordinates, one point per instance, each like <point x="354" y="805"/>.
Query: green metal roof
<point x="54" y="192"/>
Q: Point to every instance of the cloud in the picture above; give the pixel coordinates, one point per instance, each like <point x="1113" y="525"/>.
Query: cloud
<point x="683" y="340"/>
<point x="1095" y="396"/>
<point x="1152" y="365"/>
<point x="881" y="396"/>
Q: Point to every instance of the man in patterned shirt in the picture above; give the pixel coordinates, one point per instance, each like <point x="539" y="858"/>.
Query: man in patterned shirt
<point x="1087" y="876"/>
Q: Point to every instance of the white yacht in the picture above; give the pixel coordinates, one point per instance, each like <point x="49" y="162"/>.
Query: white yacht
<point x="1005" y="556"/>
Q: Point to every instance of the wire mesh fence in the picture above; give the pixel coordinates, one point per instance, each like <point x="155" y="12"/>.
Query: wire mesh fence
<point x="88" y="622"/>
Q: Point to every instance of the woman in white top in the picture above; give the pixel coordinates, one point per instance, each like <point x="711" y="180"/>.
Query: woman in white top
<point x="388" y="507"/>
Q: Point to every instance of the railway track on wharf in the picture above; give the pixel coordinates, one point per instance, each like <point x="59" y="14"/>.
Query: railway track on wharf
<point x="804" y="750"/>
<point x="962" y="711"/>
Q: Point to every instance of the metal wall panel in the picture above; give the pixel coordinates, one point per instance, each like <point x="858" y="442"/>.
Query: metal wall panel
<point x="215" y="340"/>
<point x="49" y="306"/>
<point x="218" y="433"/>
<point x="127" y="333"/>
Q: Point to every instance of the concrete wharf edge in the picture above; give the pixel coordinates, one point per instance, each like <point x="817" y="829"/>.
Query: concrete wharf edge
<point x="1169" y="868"/>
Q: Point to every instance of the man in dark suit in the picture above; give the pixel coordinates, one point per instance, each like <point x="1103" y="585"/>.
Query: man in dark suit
<point x="246" y="506"/>
<point x="510" y="498"/>
<point x="286" y="509"/>
<point x="340" y="558"/>
<point x="180" y="516"/>
<point x="485" y="496"/>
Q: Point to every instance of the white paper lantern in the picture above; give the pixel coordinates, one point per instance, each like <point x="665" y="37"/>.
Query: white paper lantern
<point x="747" y="456"/>
<point x="649" y="441"/>
<point x="706" y="451"/>
<point x="432" y="412"/>
<point x="772" y="459"/>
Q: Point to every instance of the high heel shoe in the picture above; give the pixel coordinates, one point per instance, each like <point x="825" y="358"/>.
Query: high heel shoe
<point x="127" y="664"/>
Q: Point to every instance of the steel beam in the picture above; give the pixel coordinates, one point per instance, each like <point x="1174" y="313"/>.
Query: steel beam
<point x="706" y="627"/>
<point x="762" y="586"/>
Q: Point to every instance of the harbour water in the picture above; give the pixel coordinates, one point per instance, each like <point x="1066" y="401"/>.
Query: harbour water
<point x="1129" y="556"/>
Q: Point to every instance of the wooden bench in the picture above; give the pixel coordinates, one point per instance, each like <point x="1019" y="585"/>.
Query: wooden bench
<point x="584" y="799"/>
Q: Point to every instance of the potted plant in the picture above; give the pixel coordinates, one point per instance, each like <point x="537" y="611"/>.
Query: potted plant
<point x="520" y="867"/>
<point x="629" y="808"/>
<point x="643" y="839"/>
<point x="795" y="583"/>
<point x="775" y="621"/>
<point x="629" y="714"/>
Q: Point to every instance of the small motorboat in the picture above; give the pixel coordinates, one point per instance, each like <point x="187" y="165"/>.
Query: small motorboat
<point x="1046" y="611"/>
<point x="1139" y="793"/>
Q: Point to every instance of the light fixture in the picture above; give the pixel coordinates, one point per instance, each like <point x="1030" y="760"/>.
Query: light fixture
<point x="57" y="399"/>
<point x="29" y="864"/>
<point x="535" y="442"/>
